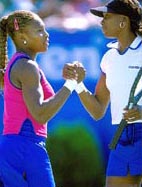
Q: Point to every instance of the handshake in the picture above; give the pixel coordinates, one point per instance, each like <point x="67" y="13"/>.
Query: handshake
<point x="74" y="74"/>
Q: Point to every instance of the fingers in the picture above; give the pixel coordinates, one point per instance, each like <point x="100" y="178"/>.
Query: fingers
<point x="74" y="70"/>
<point x="132" y="114"/>
<point x="77" y="64"/>
<point x="81" y="72"/>
<point x="69" y="72"/>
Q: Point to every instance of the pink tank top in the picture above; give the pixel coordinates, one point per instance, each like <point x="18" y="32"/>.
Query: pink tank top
<point x="15" y="109"/>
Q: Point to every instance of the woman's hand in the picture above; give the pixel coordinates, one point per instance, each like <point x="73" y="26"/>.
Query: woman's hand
<point x="81" y="72"/>
<point x="133" y="114"/>
<point x="69" y="71"/>
<point x="74" y="70"/>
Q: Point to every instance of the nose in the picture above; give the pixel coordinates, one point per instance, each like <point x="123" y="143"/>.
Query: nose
<point x="46" y="34"/>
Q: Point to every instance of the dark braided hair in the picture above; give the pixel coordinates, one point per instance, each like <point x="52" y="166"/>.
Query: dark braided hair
<point x="3" y="48"/>
<point x="130" y="8"/>
<point x="9" y="26"/>
<point x="136" y="17"/>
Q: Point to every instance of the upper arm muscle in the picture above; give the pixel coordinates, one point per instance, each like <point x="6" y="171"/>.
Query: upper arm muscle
<point x="29" y="78"/>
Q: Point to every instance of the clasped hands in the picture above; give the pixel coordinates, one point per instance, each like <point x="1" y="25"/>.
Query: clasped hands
<point x="74" y="70"/>
<point x="74" y="74"/>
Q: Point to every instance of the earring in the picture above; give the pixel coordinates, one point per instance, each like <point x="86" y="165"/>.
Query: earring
<point x="122" y="25"/>
<point x="25" y="42"/>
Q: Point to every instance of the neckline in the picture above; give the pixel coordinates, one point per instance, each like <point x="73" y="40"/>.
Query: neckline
<point x="23" y="53"/>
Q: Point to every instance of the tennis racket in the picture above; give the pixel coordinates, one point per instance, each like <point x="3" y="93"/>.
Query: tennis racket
<point x="133" y="100"/>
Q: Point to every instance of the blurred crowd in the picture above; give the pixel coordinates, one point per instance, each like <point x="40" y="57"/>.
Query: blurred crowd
<point x="64" y="14"/>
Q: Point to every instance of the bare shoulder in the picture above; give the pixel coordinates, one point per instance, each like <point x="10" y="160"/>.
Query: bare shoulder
<point x="24" y="70"/>
<point x="25" y="66"/>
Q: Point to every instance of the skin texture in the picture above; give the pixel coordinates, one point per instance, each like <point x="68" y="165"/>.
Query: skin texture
<point x="30" y="37"/>
<point x="42" y="110"/>
<point x="97" y="103"/>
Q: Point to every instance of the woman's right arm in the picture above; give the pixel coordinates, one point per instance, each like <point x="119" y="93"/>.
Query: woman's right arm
<point x="97" y="103"/>
<point x="41" y="110"/>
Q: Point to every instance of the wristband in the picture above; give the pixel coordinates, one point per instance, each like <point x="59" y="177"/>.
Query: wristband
<point x="80" y="88"/>
<point x="70" y="84"/>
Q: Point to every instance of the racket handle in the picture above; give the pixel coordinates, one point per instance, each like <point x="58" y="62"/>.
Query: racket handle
<point x="117" y="134"/>
<point x="130" y="105"/>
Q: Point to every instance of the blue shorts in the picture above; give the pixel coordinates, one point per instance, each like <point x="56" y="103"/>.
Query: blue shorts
<point x="24" y="162"/>
<point x="127" y="157"/>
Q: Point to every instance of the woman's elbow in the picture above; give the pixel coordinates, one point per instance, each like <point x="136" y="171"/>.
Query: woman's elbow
<point x="40" y="118"/>
<point x="98" y="115"/>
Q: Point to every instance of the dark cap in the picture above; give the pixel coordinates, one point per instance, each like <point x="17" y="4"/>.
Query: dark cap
<point x="130" y="8"/>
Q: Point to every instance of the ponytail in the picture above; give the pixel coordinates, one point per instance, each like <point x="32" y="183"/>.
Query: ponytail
<point x="9" y="26"/>
<point x="3" y="49"/>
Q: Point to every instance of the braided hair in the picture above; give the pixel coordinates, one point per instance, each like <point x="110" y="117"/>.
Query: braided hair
<point x="135" y="14"/>
<point x="9" y="26"/>
<point x="130" y="8"/>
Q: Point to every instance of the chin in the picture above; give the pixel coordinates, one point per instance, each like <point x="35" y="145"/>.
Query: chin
<point x="107" y="35"/>
<point x="42" y="51"/>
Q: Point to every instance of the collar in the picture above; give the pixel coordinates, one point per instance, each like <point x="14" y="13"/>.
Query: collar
<point x="134" y="45"/>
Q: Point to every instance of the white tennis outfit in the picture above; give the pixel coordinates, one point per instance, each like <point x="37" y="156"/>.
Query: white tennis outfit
<point x="121" y="70"/>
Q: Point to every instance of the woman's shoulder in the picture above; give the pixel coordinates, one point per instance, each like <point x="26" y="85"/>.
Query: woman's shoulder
<point x="25" y="67"/>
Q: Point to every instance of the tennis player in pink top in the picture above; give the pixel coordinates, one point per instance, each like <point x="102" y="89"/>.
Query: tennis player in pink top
<point x="29" y="102"/>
